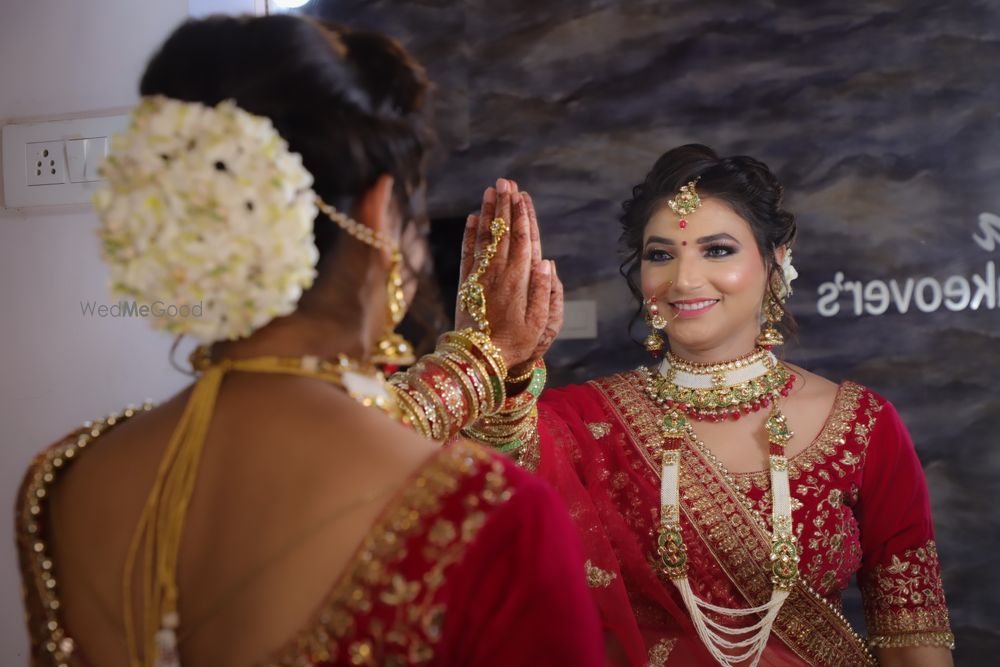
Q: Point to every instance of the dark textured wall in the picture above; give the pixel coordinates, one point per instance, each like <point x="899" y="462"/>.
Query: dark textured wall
<point x="881" y="118"/>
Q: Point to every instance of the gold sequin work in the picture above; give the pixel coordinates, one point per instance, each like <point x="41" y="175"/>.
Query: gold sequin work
<point x="599" y="429"/>
<point x="50" y="644"/>
<point x="713" y="505"/>
<point x="660" y="651"/>
<point x="598" y="578"/>
<point x="904" y="599"/>
<point x="385" y="609"/>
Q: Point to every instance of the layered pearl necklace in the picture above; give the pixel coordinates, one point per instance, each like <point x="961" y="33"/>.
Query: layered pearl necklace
<point x="714" y="392"/>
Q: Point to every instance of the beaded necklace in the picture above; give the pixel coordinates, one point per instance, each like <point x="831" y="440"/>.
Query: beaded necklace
<point x="716" y="392"/>
<point x="713" y="392"/>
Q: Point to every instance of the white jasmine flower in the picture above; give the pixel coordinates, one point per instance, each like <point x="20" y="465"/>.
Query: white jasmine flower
<point x="207" y="205"/>
<point x="788" y="274"/>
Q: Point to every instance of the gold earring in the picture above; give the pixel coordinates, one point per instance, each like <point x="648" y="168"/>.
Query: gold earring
<point x="657" y="323"/>
<point x="769" y="335"/>
<point x="392" y="348"/>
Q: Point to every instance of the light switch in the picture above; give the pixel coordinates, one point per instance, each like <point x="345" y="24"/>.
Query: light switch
<point x="83" y="156"/>
<point x="75" y="150"/>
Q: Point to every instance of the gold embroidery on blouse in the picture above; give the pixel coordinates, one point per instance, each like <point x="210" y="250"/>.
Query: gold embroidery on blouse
<point x="360" y="653"/>
<point x="904" y="601"/>
<point x="598" y="578"/>
<point x="831" y="564"/>
<point x="830" y="441"/>
<point x="412" y="634"/>
<point x="370" y="579"/>
<point x="660" y="651"/>
<point x="834" y="523"/>
<point x="442" y="532"/>
<point x="598" y="429"/>
<point x="50" y="645"/>
<point x="808" y="623"/>
<point x="942" y="639"/>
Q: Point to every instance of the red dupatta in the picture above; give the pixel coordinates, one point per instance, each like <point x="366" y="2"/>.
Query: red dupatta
<point x="597" y="444"/>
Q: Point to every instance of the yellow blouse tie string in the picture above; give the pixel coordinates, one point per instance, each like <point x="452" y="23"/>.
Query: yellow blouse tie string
<point x="159" y="530"/>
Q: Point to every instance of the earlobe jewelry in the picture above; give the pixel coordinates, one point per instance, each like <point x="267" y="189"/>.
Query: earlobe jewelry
<point x="657" y="323"/>
<point x="392" y="349"/>
<point x="772" y="311"/>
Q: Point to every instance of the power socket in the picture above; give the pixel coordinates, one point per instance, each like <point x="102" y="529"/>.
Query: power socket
<point x="45" y="162"/>
<point x="54" y="163"/>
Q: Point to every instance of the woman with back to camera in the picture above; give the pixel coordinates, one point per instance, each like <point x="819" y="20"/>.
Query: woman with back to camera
<point x="274" y="512"/>
<point x="725" y="497"/>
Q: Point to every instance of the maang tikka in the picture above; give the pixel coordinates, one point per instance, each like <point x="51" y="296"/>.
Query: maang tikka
<point x="685" y="202"/>
<point x="392" y="349"/>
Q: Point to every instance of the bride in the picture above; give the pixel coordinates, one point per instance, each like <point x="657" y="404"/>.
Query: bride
<point x="725" y="497"/>
<point x="277" y="511"/>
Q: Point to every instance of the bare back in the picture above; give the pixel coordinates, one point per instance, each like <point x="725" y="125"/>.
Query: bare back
<point x="293" y="475"/>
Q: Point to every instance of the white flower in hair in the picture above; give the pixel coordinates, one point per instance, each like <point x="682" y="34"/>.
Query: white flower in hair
<point x="206" y="205"/>
<point x="788" y="274"/>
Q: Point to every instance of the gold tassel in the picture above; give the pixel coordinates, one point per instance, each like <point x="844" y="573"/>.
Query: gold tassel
<point x="769" y="336"/>
<point x="392" y="348"/>
<point x="657" y="323"/>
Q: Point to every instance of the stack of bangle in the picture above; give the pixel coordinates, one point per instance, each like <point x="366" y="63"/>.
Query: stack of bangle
<point x="461" y="381"/>
<point x="510" y="428"/>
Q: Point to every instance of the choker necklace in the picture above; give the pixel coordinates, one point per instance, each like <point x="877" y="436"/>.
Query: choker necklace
<point x="754" y="358"/>
<point x="719" y="391"/>
<point x="759" y="381"/>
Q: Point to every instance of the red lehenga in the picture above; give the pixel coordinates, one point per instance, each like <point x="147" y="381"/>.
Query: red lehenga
<point x="472" y="563"/>
<point x="860" y="505"/>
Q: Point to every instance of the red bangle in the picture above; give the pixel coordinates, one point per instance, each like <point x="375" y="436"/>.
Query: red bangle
<point x="448" y="391"/>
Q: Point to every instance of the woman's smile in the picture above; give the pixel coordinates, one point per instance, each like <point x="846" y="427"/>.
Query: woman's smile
<point x="692" y="307"/>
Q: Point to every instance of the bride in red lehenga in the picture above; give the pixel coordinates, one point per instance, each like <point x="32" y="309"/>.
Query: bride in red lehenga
<point x="725" y="498"/>
<point x="276" y="511"/>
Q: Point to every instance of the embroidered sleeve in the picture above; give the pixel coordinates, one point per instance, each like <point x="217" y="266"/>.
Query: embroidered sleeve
<point x="904" y="601"/>
<point x="900" y="576"/>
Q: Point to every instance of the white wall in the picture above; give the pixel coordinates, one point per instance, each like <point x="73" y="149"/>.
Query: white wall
<point x="57" y="367"/>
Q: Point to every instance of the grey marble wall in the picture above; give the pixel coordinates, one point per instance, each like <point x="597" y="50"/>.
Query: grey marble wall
<point x="882" y="118"/>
